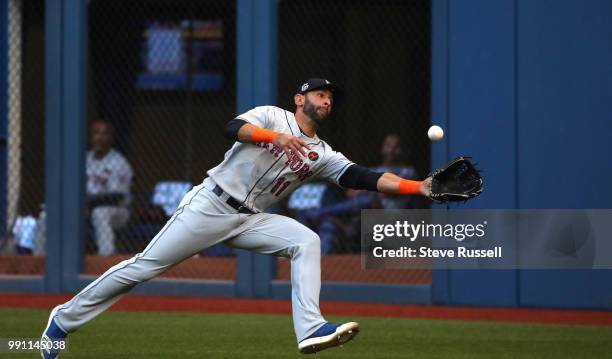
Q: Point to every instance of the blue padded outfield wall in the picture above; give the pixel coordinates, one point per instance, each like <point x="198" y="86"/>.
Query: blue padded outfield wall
<point x="525" y="86"/>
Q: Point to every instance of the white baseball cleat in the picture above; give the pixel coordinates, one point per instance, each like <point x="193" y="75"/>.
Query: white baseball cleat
<point x="329" y="335"/>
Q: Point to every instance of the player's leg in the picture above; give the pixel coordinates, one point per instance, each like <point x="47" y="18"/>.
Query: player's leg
<point x="199" y="222"/>
<point x="282" y="236"/>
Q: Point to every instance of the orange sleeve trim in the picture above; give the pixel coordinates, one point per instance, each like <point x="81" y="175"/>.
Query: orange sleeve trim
<point x="263" y="135"/>
<point x="409" y="187"/>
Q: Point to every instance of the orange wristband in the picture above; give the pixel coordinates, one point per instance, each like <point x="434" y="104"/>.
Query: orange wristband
<point x="263" y="135"/>
<point x="409" y="187"/>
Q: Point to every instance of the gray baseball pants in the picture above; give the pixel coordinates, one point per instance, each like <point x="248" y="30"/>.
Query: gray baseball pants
<point x="202" y="220"/>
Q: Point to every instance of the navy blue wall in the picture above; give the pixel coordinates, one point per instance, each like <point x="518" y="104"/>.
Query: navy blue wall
<point x="564" y="62"/>
<point x="525" y="86"/>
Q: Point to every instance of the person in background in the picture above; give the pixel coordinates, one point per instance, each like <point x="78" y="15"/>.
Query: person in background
<point x="391" y="153"/>
<point x="109" y="178"/>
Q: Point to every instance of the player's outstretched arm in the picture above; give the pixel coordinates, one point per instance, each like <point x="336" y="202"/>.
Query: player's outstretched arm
<point x="358" y="177"/>
<point x="457" y="181"/>
<point x="240" y="130"/>
<point x="392" y="184"/>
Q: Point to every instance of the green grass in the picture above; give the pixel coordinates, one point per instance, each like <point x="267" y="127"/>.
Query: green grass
<point x="203" y="335"/>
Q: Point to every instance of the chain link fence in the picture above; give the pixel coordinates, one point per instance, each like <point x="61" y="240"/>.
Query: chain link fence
<point x="161" y="88"/>
<point x="21" y="249"/>
<point x="378" y="51"/>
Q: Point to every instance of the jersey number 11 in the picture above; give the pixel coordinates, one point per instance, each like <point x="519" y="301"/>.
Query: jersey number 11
<point x="280" y="186"/>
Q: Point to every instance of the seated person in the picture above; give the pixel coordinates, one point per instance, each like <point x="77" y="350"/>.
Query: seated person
<point x="109" y="177"/>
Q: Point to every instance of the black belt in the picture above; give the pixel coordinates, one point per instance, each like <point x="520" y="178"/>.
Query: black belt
<point x="234" y="203"/>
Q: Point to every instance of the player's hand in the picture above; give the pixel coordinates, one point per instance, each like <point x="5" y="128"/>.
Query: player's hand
<point x="290" y="144"/>
<point x="425" y="187"/>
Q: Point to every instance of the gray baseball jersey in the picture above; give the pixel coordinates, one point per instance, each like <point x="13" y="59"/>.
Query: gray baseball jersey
<point x="260" y="175"/>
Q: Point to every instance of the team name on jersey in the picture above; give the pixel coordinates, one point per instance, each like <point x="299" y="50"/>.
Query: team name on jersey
<point x="295" y="163"/>
<point x="272" y="148"/>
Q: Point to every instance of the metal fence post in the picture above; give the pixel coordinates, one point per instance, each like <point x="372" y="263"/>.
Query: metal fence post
<point x="53" y="141"/>
<point x="256" y="69"/>
<point x="244" y="100"/>
<point x="265" y="28"/>
<point x="73" y="145"/>
<point x="65" y="145"/>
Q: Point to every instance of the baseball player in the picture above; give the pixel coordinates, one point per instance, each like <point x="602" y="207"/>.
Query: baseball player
<point x="275" y="151"/>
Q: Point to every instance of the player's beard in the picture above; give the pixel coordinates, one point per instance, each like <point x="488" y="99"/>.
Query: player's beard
<point x="312" y="112"/>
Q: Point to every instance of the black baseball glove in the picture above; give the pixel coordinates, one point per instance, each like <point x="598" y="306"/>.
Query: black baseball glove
<point x="458" y="181"/>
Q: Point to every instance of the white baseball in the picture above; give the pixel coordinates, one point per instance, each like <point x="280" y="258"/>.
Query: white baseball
<point x="435" y="133"/>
